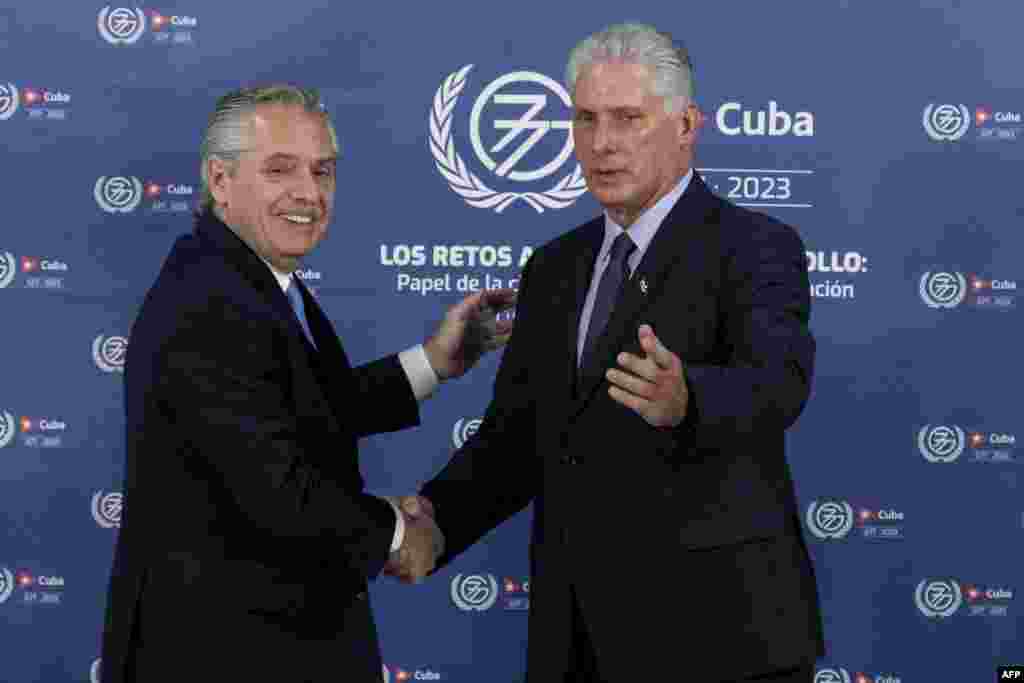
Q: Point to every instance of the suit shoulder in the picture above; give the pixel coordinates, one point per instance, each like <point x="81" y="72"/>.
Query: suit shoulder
<point x="741" y="226"/>
<point x="194" y="285"/>
<point x="568" y="244"/>
<point x="193" y="272"/>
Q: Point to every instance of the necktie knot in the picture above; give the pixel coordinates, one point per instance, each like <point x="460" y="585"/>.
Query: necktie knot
<point x="622" y="248"/>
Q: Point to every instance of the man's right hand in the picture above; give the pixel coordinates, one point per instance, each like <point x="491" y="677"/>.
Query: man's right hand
<point x="416" y="506"/>
<point x="422" y="545"/>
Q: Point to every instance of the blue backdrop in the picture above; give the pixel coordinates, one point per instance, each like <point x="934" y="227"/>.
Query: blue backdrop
<point x="888" y="134"/>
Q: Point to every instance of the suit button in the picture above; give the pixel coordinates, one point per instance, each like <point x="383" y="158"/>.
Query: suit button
<point x="361" y="595"/>
<point x="571" y="460"/>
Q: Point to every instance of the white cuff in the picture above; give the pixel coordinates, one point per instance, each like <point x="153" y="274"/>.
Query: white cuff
<point x="417" y="368"/>
<point x="399" y="537"/>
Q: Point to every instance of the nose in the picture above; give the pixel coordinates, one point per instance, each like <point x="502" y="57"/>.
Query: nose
<point x="603" y="141"/>
<point x="305" y="187"/>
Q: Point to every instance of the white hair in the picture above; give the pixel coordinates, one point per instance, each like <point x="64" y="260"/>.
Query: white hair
<point x="669" y="61"/>
<point x="225" y="136"/>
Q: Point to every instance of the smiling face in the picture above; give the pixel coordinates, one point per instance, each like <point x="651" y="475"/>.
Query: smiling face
<point x="632" y="151"/>
<point x="279" y="197"/>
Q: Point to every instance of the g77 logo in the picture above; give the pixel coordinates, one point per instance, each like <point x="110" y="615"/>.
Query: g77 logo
<point x="466" y="184"/>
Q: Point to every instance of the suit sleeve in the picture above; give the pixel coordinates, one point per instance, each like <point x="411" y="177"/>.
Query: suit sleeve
<point x="765" y="380"/>
<point x="496" y="473"/>
<point x="236" y="403"/>
<point x="385" y="402"/>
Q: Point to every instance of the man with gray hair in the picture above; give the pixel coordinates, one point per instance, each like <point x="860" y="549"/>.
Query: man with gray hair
<point x="648" y="430"/>
<point x="247" y="539"/>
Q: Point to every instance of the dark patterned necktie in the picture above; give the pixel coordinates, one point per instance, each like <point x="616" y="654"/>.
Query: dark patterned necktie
<point x="608" y="292"/>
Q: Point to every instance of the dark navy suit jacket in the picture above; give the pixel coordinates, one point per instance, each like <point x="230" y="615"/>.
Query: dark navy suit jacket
<point x="247" y="539"/>
<point x="683" y="546"/>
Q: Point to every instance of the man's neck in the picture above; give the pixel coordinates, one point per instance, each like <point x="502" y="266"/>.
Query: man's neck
<point x="626" y="216"/>
<point x="283" y="271"/>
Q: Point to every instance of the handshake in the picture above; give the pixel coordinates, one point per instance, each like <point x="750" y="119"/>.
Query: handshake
<point x="423" y="542"/>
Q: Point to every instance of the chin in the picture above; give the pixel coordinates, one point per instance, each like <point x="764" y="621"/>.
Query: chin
<point x="611" y="200"/>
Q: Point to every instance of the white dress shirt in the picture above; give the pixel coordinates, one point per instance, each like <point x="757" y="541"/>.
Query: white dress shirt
<point x="421" y="376"/>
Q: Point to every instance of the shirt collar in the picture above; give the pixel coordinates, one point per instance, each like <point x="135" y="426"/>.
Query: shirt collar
<point x="646" y="225"/>
<point x="283" y="279"/>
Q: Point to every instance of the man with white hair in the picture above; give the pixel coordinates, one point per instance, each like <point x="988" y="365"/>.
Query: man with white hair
<point x="660" y="353"/>
<point x="247" y="538"/>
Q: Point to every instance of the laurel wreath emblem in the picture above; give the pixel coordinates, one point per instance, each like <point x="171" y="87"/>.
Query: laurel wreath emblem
<point x="466" y="184"/>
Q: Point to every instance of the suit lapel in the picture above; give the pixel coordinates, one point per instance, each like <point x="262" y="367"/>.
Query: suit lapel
<point x="675" y="245"/>
<point x="330" y="360"/>
<point x="331" y="352"/>
<point x="252" y="268"/>
<point x="582" y="272"/>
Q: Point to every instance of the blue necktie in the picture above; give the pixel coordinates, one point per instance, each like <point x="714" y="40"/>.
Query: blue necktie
<point x="295" y="299"/>
<point x="615" y="274"/>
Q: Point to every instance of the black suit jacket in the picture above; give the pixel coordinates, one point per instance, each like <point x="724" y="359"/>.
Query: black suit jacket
<point x="247" y="539"/>
<point x="683" y="545"/>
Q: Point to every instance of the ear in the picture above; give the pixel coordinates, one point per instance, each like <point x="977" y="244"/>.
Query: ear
<point x="219" y="177"/>
<point x="689" y="120"/>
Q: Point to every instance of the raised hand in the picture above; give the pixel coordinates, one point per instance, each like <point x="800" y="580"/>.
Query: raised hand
<point x="469" y="330"/>
<point x="654" y="386"/>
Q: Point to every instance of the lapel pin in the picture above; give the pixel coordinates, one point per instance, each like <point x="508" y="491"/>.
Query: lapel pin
<point x="643" y="285"/>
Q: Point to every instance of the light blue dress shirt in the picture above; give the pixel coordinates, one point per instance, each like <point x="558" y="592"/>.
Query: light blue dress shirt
<point x="643" y="230"/>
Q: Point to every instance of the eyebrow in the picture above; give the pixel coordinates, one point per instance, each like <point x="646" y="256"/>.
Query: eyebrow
<point x="281" y="156"/>
<point x="621" y="107"/>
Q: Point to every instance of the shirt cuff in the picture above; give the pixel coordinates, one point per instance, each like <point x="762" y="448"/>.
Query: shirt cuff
<point x="399" y="537"/>
<point x="417" y="368"/>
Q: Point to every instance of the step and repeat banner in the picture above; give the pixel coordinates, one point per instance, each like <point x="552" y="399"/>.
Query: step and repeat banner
<point x="889" y="134"/>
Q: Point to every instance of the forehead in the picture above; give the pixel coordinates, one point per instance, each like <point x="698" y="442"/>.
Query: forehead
<point x="614" y="83"/>
<point x="289" y="129"/>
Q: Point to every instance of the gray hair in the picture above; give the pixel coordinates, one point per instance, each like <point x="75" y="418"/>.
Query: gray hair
<point x="641" y="44"/>
<point x="225" y="135"/>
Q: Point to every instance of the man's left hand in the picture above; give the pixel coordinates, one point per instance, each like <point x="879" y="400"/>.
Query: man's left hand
<point x="469" y="330"/>
<point x="654" y="386"/>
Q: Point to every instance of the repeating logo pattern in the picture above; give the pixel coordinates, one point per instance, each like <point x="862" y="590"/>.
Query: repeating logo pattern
<point x="467" y="185"/>
<point x="106" y="509"/>
<point x="474" y="592"/>
<point x="837" y="674"/>
<point x="463" y="429"/>
<point x="8" y="268"/>
<point x="834" y="675"/>
<point x="830" y="519"/>
<point x="946" y="122"/>
<point x="938" y="598"/>
<point x="398" y="674"/>
<point x="8" y="428"/>
<point x="121" y="25"/>
<point x="109" y="353"/>
<point x="6" y="584"/>
<point x="118" y="194"/>
<point x="942" y="290"/>
<point x="9" y="100"/>
<point x="941" y="444"/>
